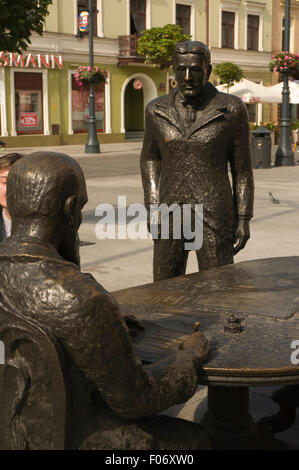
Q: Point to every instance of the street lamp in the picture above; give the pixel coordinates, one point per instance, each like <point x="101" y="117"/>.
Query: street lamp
<point x="92" y="144"/>
<point x="285" y="154"/>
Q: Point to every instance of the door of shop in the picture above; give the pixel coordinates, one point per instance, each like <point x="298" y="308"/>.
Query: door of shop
<point x="134" y="109"/>
<point x="29" y="102"/>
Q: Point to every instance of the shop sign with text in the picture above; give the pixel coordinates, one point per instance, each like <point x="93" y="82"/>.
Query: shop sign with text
<point x="28" y="119"/>
<point x="35" y="61"/>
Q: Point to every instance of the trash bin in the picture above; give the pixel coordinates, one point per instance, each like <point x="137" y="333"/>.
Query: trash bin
<point x="261" y="148"/>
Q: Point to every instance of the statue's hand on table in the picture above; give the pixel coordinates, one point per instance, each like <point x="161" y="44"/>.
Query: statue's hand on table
<point x="242" y="235"/>
<point x="197" y="345"/>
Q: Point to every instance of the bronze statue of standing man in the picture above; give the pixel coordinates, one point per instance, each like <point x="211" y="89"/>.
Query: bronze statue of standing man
<point x="191" y="135"/>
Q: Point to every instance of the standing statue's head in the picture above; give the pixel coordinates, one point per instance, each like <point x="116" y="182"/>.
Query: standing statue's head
<point x="192" y="66"/>
<point x="46" y="192"/>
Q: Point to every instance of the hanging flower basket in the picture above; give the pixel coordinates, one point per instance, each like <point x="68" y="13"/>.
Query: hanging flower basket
<point x="84" y="75"/>
<point x="285" y="62"/>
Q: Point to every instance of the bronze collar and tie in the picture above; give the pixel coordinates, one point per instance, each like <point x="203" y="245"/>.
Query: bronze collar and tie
<point x="190" y="110"/>
<point x="190" y="114"/>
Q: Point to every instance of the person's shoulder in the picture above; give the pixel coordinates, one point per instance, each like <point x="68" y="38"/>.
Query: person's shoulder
<point x="163" y="101"/>
<point x="74" y="282"/>
<point x="76" y="291"/>
<point x="87" y="296"/>
<point x="233" y="103"/>
<point x="60" y="281"/>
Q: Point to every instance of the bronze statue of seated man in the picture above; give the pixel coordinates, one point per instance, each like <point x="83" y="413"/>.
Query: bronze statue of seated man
<point x="41" y="281"/>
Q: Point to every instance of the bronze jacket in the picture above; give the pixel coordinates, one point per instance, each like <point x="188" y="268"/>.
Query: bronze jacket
<point x="1" y="224"/>
<point x="37" y="283"/>
<point x="183" y="165"/>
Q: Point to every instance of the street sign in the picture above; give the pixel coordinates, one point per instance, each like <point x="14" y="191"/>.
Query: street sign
<point x="83" y="21"/>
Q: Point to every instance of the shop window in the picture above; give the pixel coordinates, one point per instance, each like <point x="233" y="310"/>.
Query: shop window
<point x="137" y="16"/>
<point x="29" y="103"/>
<point x="228" y="29"/>
<point x="253" y="22"/>
<point x="83" y="6"/>
<point x="252" y="112"/>
<point x="80" y="107"/>
<point x="183" y="17"/>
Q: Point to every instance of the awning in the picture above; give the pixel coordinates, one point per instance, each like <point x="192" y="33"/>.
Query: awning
<point x="276" y="90"/>
<point x="250" y="92"/>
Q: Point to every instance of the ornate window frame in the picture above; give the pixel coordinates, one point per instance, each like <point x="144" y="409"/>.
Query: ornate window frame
<point x="108" y="129"/>
<point x="46" y="121"/>
<point x="148" y="18"/>
<point x="255" y="8"/>
<point x="233" y="7"/>
<point x="4" y="131"/>
<point x="190" y="3"/>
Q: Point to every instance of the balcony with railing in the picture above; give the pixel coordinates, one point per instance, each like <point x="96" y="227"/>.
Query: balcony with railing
<point x="128" y="49"/>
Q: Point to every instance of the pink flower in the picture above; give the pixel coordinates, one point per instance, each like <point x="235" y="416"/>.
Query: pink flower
<point x="89" y="69"/>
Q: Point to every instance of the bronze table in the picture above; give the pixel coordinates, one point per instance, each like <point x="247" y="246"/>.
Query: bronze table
<point x="250" y="314"/>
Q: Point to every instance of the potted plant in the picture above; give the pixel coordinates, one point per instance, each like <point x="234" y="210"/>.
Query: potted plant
<point x="84" y="75"/>
<point x="295" y="132"/>
<point x="157" y="45"/>
<point x="272" y="127"/>
<point x="253" y="126"/>
<point x="228" y="73"/>
<point x="285" y="62"/>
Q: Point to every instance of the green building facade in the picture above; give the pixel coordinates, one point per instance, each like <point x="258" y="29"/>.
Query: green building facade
<point x="42" y="104"/>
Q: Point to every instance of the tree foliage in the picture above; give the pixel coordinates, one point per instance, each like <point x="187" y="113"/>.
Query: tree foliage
<point x="18" y="19"/>
<point x="157" y="44"/>
<point x="228" y="73"/>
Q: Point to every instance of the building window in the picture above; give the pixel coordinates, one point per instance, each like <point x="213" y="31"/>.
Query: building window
<point x="83" y="5"/>
<point x="292" y="46"/>
<point x="283" y="33"/>
<point x="252" y="114"/>
<point x="183" y="17"/>
<point x="228" y="29"/>
<point x="29" y="102"/>
<point x="80" y="107"/>
<point x="253" y="23"/>
<point x="137" y="16"/>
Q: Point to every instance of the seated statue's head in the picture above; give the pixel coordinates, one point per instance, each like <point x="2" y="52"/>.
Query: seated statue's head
<point x="192" y="66"/>
<point x="46" y="192"/>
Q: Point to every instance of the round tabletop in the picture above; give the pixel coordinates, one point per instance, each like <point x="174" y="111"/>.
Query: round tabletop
<point x="258" y="299"/>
